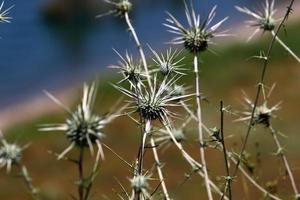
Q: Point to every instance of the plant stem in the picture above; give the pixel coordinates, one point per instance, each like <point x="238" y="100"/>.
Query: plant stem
<point x="200" y="132"/>
<point x="80" y="172"/>
<point x="28" y="181"/>
<point x="284" y="160"/>
<point x="285" y="46"/>
<point x="159" y="170"/>
<point x="260" y="85"/>
<point x="139" y="46"/>
<point x="191" y="161"/>
<point x="228" y="178"/>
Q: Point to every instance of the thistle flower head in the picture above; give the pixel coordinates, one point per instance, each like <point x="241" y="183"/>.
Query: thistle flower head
<point x="130" y="69"/>
<point x="262" y="113"/>
<point x="263" y="19"/>
<point x="169" y="64"/>
<point x="82" y="128"/>
<point x="4" y="18"/>
<point x="154" y="104"/>
<point x="10" y="154"/>
<point x="120" y="7"/>
<point x="140" y="183"/>
<point x="197" y="37"/>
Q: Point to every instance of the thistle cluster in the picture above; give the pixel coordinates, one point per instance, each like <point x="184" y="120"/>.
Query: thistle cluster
<point x="199" y="34"/>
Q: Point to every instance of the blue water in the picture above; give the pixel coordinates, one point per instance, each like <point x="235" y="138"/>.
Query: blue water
<point x="37" y="55"/>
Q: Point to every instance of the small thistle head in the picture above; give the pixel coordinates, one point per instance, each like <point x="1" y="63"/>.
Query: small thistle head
<point x="262" y="113"/>
<point x="154" y="104"/>
<point x="169" y="64"/>
<point x="130" y="69"/>
<point x="197" y="37"/>
<point x="140" y="183"/>
<point x="82" y="128"/>
<point x="178" y="135"/>
<point x="4" y="18"/>
<point x="263" y="20"/>
<point x="120" y="8"/>
<point x="10" y="154"/>
<point x="123" y="6"/>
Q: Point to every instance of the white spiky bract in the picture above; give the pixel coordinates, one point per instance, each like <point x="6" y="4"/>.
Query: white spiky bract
<point x="170" y="63"/>
<point x="130" y="69"/>
<point x="4" y="18"/>
<point x="197" y="36"/>
<point x="263" y="19"/>
<point x="82" y="128"/>
<point x="10" y="154"/>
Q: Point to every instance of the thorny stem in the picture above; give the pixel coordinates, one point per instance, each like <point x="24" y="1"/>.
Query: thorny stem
<point x="285" y="47"/>
<point x="250" y="179"/>
<point x="285" y="161"/>
<point x="137" y="194"/>
<point x="200" y="132"/>
<point x="260" y="85"/>
<point x="194" y="164"/>
<point x="80" y="172"/>
<point x="158" y="168"/>
<point x="228" y="177"/>
<point x="28" y="181"/>
<point x="139" y="46"/>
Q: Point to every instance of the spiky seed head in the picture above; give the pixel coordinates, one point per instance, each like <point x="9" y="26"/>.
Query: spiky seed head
<point x="263" y="19"/>
<point x="197" y="37"/>
<point x="262" y="115"/>
<point x="216" y="134"/>
<point x="83" y="130"/>
<point x="178" y="135"/>
<point x="123" y="6"/>
<point x="196" y="41"/>
<point x="10" y="154"/>
<point x="170" y="63"/>
<point x="139" y="183"/>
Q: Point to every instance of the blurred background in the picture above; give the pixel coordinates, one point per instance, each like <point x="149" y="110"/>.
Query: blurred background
<point x="57" y="45"/>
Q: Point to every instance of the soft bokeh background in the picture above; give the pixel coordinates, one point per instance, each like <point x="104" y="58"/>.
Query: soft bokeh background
<point x="57" y="45"/>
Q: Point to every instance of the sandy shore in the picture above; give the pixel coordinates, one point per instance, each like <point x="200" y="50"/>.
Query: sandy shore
<point x="41" y="104"/>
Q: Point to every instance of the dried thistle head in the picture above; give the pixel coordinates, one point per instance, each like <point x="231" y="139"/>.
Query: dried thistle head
<point x="163" y="136"/>
<point x="263" y="19"/>
<point x="130" y="69"/>
<point x="169" y="64"/>
<point x="120" y="7"/>
<point x="83" y="128"/>
<point x="140" y="184"/>
<point x="4" y="18"/>
<point x="197" y="37"/>
<point x="262" y="113"/>
<point x="154" y="104"/>
<point x="10" y="154"/>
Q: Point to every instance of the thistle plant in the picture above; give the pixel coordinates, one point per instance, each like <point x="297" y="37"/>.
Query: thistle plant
<point x="82" y="129"/>
<point x="119" y="8"/>
<point x="140" y="185"/>
<point x="4" y="18"/>
<point x="265" y="21"/>
<point x="196" y="39"/>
